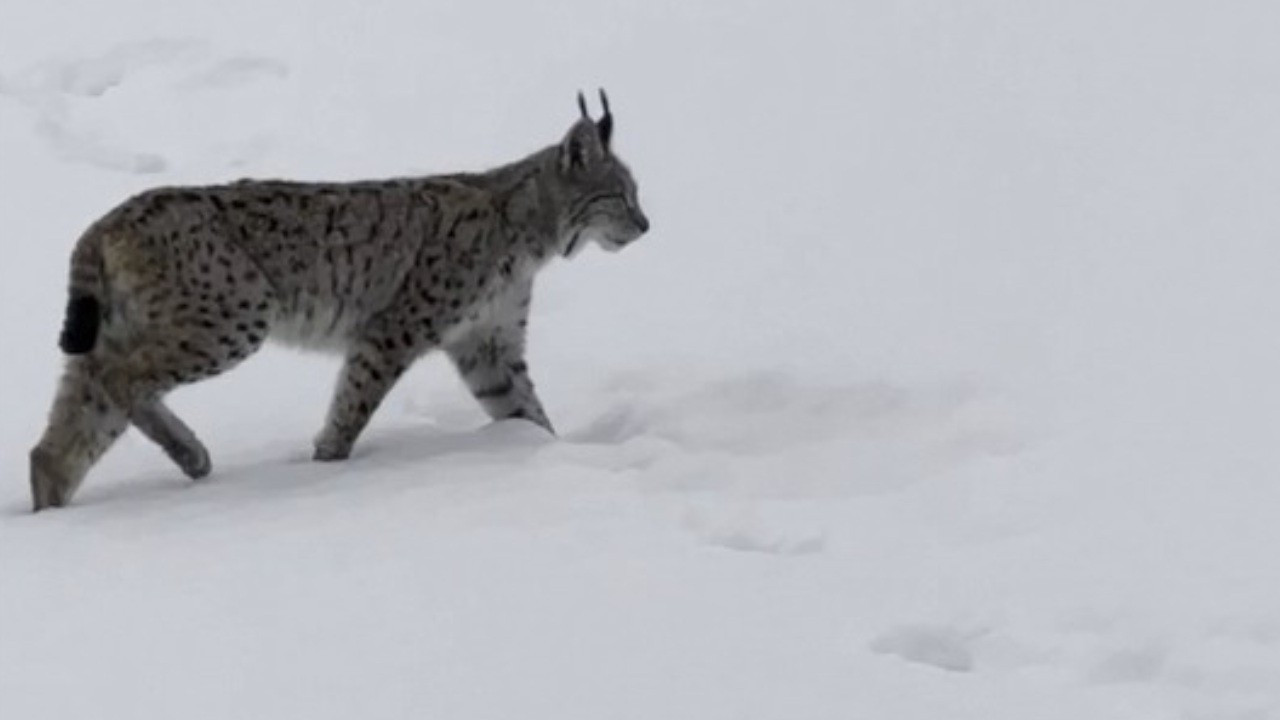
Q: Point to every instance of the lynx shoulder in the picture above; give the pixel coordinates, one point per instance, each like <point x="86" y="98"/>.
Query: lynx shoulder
<point x="183" y="283"/>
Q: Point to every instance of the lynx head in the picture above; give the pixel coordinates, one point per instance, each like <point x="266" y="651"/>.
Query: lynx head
<point x="596" y="192"/>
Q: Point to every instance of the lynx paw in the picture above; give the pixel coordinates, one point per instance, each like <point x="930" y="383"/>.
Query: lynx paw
<point x="49" y="487"/>
<point x="331" y="452"/>
<point x="194" y="461"/>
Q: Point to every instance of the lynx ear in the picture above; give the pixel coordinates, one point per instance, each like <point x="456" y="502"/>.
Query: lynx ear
<point x="582" y="147"/>
<point x="605" y="126"/>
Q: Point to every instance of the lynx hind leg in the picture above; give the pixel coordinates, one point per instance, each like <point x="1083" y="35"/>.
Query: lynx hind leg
<point x="181" y="312"/>
<point x="83" y="424"/>
<point x="110" y="389"/>
<point x="204" y="339"/>
<point x="155" y="420"/>
<point x="196" y="306"/>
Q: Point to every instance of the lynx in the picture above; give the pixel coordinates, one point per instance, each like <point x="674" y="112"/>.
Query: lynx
<point x="183" y="283"/>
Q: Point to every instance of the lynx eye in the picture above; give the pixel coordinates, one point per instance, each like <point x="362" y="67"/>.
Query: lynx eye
<point x="617" y="203"/>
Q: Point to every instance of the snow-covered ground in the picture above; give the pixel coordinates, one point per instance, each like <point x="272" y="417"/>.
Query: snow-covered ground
<point x="943" y="387"/>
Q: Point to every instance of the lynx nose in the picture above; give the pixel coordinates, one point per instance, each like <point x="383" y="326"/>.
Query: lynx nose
<point x="640" y="220"/>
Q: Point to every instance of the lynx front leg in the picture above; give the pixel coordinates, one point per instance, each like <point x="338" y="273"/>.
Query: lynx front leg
<point x="491" y="362"/>
<point x="373" y="365"/>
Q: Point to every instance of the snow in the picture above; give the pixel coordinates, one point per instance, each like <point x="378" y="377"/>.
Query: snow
<point x="942" y="387"/>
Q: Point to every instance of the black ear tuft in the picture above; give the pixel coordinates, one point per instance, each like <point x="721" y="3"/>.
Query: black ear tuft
<point x="605" y="126"/>
<point x="582" y="105"/>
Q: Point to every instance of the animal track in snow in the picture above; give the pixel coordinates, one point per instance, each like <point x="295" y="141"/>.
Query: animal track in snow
<point x="94" y="76"/>
<point x="1138" y="662"/>
<point x="1224" y="668"/>
<point x="746" y="431"/>
<point x="88" y="148"/>
<point x="939" y="646"/>
<point x="746" y="532"/>
<point x="236" y="71"/>
<point x="64" y="92"/>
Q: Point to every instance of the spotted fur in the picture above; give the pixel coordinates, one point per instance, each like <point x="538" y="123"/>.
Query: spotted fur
<point x="180" y="284"/>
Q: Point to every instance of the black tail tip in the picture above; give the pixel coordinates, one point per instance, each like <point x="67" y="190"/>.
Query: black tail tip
<point x="80" y="328"/>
